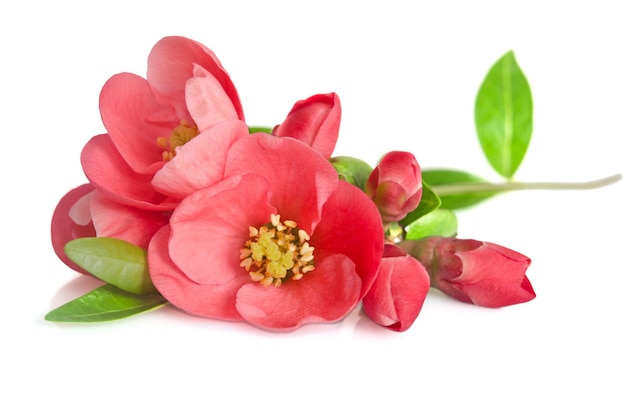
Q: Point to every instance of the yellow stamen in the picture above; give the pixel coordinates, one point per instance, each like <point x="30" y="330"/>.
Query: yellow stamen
<point x="180" y="135"/>
<point x="276" y="252"/>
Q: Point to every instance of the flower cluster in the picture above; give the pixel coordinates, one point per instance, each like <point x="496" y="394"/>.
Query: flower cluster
<point x="188" y="205"/>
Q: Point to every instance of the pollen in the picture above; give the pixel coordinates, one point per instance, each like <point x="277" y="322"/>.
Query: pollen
<point x="180" y="135"/>
<point x="276" y="252"/>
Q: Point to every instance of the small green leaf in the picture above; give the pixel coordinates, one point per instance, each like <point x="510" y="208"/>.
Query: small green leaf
<point x="114" y="261"/>
<point x="253" y="129"/>
<point x="441" y="179"/>
<point x="103" y="304"/>
<point x="439" y="222"/>
<point x="429" y="202"/>
<point x="503" y="115"/>
<point x="352" y="170"/>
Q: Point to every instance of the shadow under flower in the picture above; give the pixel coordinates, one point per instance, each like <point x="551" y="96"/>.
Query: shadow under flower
<point x="73" y="289"/>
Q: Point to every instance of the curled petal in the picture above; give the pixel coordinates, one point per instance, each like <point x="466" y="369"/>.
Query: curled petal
<point x="171" y="62"/>
<point x="206" y="101"/>
<point x="134" y="120"/>
<point x="107" y="170"/>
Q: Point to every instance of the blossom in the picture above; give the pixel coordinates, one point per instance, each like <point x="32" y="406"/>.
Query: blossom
<point x="473" y="271"/>
<point x="395" y="185"/>
<point x="314" y="121"/>
<point x="279" y="242"/>
<point x="398" y="292"/>
<point x="186" y="93"/>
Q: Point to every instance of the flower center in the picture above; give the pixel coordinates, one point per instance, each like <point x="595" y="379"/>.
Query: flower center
<point x="276" y="252"/>
<point x="180" y="135"/>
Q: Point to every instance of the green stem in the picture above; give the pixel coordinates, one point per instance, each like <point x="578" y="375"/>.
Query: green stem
<point x="255" y="128"/>
<point x="463" y="188"/>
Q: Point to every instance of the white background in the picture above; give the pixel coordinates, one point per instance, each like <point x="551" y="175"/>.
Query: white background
<point x="407" y="74"/>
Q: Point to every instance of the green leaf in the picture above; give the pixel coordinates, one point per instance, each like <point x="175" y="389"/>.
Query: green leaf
<point x="441" y="179"/>
<point x="429" y="202"/>
<point x="439" y="222"/>
<point x="503" y="115"/>
<point x="114" y="261"/>
<point x="253" y="129"/>
<point x="103" y="304"/>
<point x="352" y="170"/>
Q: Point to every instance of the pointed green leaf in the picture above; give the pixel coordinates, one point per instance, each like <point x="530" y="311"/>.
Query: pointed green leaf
<point x="429" y="202"/>
<point x="103" y="304"/>
<point x="439" y="222"/>
<point x="114" y="261"/>
<point x="503" y="115"/>
<point x="442" y="180"/>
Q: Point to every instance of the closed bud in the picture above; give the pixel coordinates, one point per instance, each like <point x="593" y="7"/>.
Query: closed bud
<point x="395" y="185"/>
<point x="314" y="121"/>
<point x="473" y="271"/>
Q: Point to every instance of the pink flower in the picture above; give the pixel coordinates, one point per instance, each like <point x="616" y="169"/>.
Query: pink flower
<point x="472" y="271"/>
<point x="395" y="185"/>
<point x="398" y="292"/>
<point x="186" y="93"/>
<point x="280" y="242"/>
<point x="314" y="121"/>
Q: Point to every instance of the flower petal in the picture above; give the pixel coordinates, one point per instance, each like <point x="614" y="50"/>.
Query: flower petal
<point x="64" y="226"/>
<point x="207" y="102"/>
<point x="302" y="179"/>
<point x="135" y="120"/>
<point x="494" y="293"/>
<point x="326" y="294"/>
<point x="351" y="225"/>
<point x="399" y="291"/>
<point x="171" y="63"/>
<point x="107" y="170"/>
<point x="200" y="162"/>
<point x="490" y="261"/>
<point x="211" y="226"/>
<point x="136" y="226"/>
<point x="210" y="301"/>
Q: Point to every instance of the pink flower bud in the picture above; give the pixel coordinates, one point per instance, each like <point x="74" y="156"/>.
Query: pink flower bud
<point x="395" y="185"/>
<point x="472" y="271"/>
<point x="398" y="293"/>
<point x="314" y="121"/>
